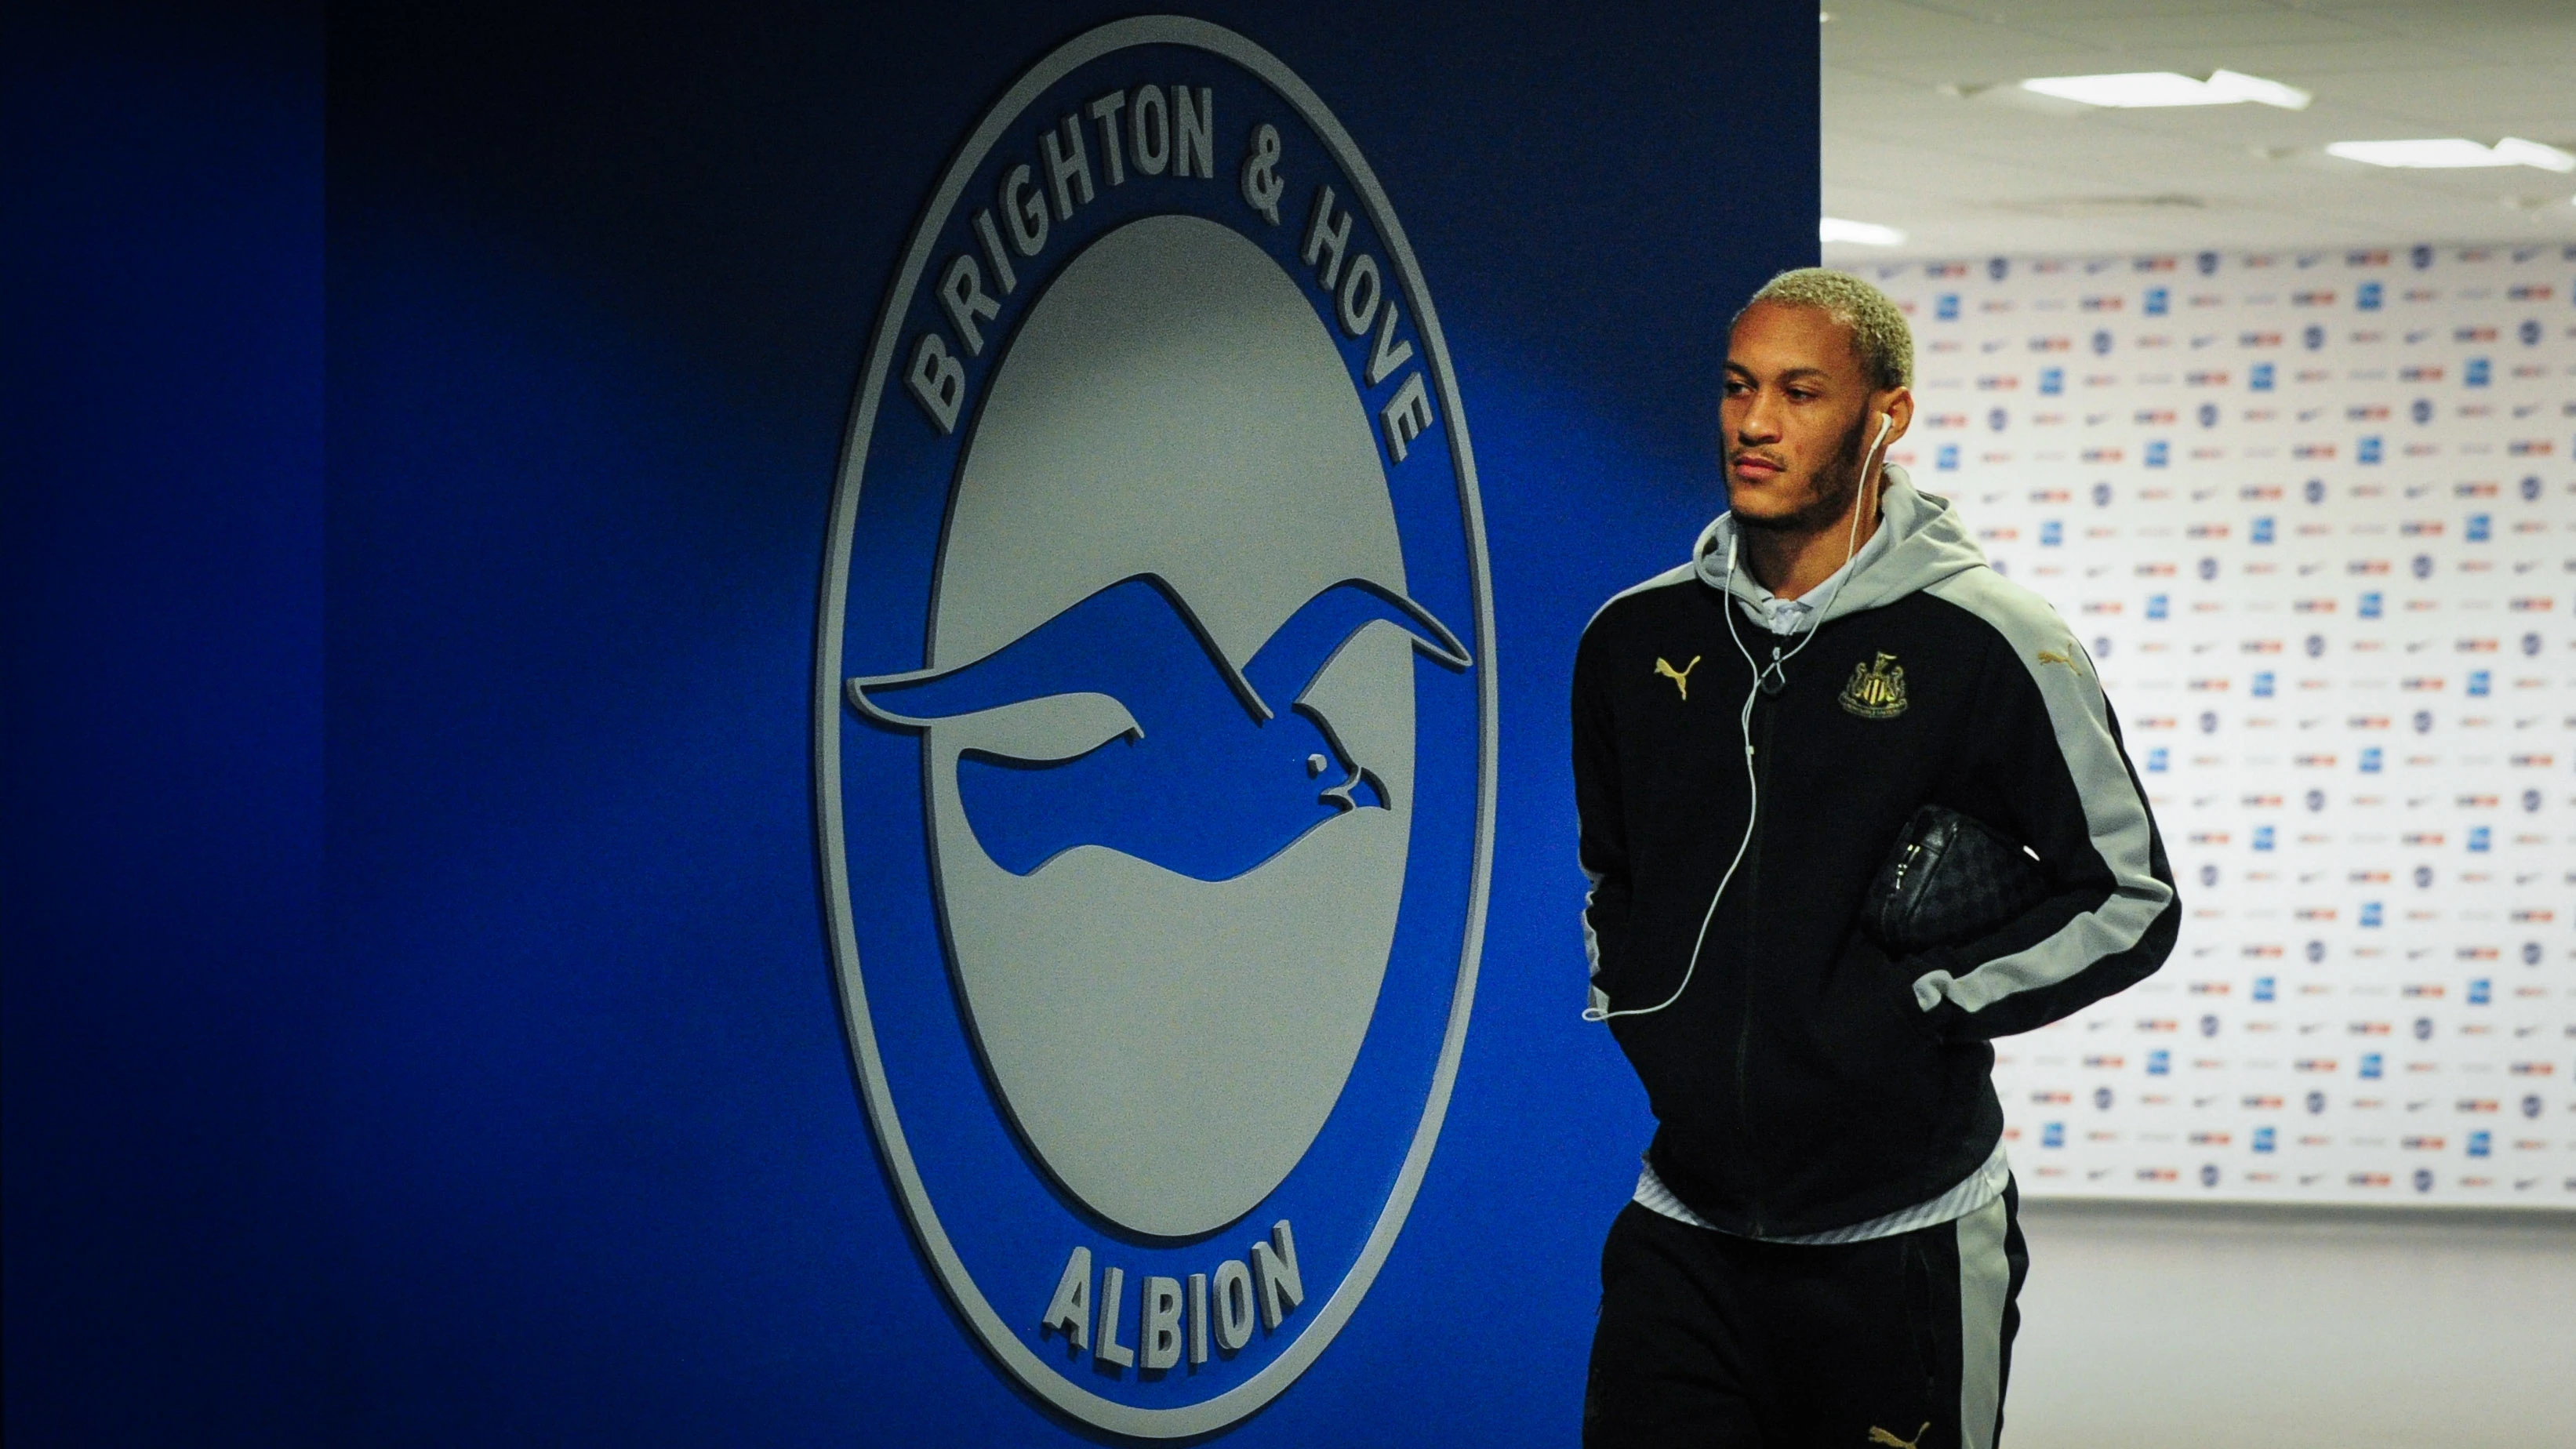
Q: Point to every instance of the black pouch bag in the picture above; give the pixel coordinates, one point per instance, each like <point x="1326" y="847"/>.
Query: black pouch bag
<point x="1951" y="878"/>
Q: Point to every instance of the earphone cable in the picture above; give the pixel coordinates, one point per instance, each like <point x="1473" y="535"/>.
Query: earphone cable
<point x="1744" y="722"/>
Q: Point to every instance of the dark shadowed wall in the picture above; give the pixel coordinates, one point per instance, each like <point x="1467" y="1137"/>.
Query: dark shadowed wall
<point x="420" y="1027"/>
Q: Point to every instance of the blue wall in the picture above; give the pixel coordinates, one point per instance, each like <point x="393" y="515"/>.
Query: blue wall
<point x="162" y="991"/>
<point x="441" y="1047"/>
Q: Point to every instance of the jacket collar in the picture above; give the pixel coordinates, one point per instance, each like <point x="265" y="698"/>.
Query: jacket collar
<point x="1926" y="543"/>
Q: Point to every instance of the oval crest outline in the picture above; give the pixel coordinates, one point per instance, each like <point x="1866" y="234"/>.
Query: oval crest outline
<point x="997" y="1336"/>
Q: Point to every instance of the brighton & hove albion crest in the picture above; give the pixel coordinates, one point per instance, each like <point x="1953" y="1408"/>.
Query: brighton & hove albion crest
<point x="1155" y="729"/>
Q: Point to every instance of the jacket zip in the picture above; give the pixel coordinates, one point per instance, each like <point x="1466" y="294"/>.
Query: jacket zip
<point x="1753" y="918"/>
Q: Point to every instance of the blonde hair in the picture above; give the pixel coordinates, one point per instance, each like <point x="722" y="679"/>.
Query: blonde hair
<point x="1878" y="330"/>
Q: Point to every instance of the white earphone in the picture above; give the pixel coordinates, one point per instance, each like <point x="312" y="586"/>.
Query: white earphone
<point x="1767" y="679"/>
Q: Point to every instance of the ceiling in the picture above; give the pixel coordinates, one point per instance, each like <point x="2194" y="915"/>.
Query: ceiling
<point x="1926" y="131"/>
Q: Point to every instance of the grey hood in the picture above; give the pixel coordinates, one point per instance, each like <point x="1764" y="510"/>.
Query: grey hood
<point x="1925" y="543"/>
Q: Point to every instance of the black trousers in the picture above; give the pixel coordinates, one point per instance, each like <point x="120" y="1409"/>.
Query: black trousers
<point x="1709" y="1341"/>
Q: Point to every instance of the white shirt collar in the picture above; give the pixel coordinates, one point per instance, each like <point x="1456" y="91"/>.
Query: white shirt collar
<point x="1788" y="616"/>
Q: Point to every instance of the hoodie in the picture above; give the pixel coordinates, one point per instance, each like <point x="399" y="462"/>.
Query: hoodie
<point x="1802" y="1080"/>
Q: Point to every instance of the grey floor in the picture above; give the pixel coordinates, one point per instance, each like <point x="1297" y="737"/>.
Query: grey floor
<point x="2214" y="1327"/>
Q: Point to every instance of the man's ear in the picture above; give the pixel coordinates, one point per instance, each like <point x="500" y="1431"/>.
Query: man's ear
<point x="1898" y="404"/>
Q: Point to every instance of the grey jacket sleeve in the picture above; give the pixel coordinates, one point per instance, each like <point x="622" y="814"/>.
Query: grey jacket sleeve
<point x="2050" y="756"/>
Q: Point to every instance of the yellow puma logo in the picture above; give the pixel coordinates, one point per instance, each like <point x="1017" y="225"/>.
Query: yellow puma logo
<point x="2052" y="656"/>
<point x="1878" y="1435"/>
<point x="1680" y="677"/>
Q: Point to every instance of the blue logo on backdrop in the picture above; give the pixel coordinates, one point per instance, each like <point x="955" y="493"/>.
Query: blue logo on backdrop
<point x="2102" y="340"/>
<point x="1946" y="307"/>
<point x="2369" y="451"/>
<point x="2478" y="371"/>
<point x="2159" y="301"/>
<point x="2262" y="377"/>
<point x="1998" y="268"/>
<point x="1155" y="737"/>
<point x="2368" y="296"/>
<point x="2208" y="262"/>
<point x="2312" y="337"/>
<point x="2052" y="381"/>
<point x="2422" y="257"/>
<point x="2529" y="332"/>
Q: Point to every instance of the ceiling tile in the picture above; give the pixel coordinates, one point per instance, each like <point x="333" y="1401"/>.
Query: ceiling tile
<point x="1983" y="176"/>
<point x="2193" y="42"/>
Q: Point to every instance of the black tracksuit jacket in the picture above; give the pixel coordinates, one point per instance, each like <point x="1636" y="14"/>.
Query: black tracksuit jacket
<point x="1805" y="1081"/>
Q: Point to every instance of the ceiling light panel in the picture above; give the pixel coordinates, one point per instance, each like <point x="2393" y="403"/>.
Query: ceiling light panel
<point x="2239" y="86"/>
<point x="2531" y="153"/>
<point x="2134" y="88"/>
<point x="2152" y="88"/>
<point x="2454" y="152"/>
<point x="1868" y="234"/>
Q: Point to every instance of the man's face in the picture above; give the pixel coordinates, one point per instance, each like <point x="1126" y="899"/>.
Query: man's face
<point x="1797" y="418"/>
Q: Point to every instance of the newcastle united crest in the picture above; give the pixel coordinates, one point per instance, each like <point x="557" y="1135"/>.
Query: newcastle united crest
<point x="1876" y="689"/>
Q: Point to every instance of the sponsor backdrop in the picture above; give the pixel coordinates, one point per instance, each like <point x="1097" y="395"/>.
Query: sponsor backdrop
<point x="766" y="652"/>
<point x="2314" y="513"/>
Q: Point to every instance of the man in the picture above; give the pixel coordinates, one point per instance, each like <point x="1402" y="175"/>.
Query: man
<point x="1823" y="1246"/>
